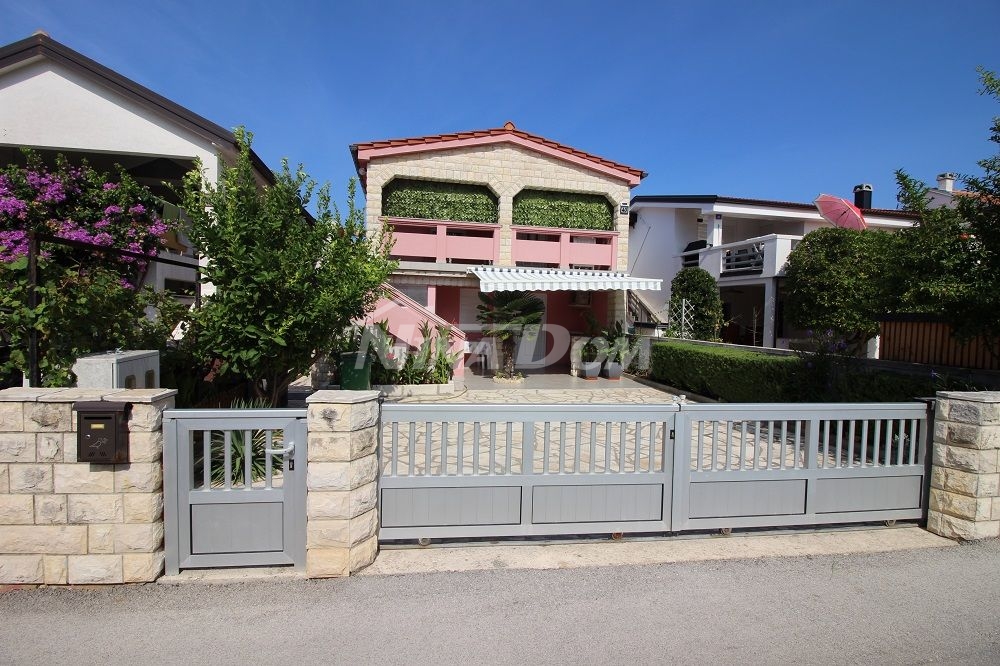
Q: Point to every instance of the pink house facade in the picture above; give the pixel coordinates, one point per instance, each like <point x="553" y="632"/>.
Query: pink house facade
<point x="577" y="268"/>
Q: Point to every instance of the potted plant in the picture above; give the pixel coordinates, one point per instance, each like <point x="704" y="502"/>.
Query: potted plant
<point x="590" y="367"/>
<point x="618" y="348"/>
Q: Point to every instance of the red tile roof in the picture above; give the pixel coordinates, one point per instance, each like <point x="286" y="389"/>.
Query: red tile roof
<point x="507" y="129"/>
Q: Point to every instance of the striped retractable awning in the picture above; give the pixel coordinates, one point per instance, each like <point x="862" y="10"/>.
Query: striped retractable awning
<point x="495" y="278"/>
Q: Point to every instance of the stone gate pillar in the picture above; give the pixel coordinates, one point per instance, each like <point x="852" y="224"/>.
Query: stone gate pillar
<point x="965" y="476"/>
<point x="341" y="481"/>
<point x="69" y="522"/>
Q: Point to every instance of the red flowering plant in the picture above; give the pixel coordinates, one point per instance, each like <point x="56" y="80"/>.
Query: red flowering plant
<point x="89" y="300"/>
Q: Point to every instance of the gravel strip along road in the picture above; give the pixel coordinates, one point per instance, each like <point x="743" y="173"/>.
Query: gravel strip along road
<point x="922" y="606"/>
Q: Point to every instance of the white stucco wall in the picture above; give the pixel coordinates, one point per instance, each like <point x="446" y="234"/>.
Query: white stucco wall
<point x="45" y="105"/>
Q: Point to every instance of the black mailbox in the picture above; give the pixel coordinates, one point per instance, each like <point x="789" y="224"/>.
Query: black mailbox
<point x="102" y="432"/>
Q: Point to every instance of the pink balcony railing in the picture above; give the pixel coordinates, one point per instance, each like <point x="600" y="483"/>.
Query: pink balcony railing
<point x="565" y="248"/>
<point x="445" y="242"/>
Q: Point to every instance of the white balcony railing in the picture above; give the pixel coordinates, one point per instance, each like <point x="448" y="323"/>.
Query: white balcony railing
<point x="764" y="256"/>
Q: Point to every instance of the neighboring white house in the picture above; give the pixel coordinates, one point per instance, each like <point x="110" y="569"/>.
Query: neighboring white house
<point x="743" y="243"/>
<point x="56" y="100"/>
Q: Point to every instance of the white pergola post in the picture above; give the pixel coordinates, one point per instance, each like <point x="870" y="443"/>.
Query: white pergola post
<point x="770" y="305"/>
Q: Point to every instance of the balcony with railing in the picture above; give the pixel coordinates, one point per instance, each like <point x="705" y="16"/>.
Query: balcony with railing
<point x="564" y="248"/>
<point x="441" y="242"/>
<point x="764" y="256"/>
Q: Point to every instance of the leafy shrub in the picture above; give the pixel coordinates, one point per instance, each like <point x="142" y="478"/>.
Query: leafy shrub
<point x="434" y="200"/>
<point x="566" y="210"/>
<point x="700" y="290"/>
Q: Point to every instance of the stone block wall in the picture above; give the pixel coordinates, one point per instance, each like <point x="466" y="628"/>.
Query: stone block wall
<point x="965" y="474"/>
<point x="342" y="482"/>
<point x="66" y="522"/>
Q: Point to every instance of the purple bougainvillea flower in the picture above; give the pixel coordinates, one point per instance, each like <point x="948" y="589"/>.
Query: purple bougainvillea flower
<point x="13" y="207"/>
<point x="13" y="245"/>
<point x="112" y="210"/>
<point x="110" y="186"/>
<point x="137" y="209"/>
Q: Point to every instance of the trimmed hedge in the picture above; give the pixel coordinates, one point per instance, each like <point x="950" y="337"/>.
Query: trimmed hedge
<point x="436" y="200"/>
<point x="566" y="210"/>
<point x="736" y="375"/>
<point x="733" y="375"/>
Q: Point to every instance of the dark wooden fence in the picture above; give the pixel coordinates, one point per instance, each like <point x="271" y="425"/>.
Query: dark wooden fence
<point x="931" y="342"/>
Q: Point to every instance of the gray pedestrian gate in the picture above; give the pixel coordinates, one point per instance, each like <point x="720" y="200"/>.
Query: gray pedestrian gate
<point x="455" y="471"/>
<point x="234" y="488"/>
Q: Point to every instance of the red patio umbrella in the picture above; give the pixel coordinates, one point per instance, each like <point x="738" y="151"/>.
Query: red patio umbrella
<point x="840" y="212"/>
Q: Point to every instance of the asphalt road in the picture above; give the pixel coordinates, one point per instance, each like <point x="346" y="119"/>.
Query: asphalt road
<point x="928" y="606"/>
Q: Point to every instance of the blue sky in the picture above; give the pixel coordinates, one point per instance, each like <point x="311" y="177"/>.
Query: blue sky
<point x="775" y="99"/>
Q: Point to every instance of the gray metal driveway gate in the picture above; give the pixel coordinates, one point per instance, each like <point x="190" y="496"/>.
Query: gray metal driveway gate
<point x="454" y="471"/>
<point x="798" y="464"/>
<point x="234" y="488"/>
<point x="512" y="470"/>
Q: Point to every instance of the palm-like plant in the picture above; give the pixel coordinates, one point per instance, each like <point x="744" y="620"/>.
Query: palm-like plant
<point x="505" y="316"/>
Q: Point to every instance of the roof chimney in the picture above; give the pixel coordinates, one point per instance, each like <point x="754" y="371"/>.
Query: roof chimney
<point x="863" y="195"/>
<point x="946" y="181"/>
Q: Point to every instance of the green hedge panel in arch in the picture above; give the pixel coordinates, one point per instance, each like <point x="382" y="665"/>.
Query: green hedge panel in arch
<point x="438" y="200"/>
<point x="569" y="210"/>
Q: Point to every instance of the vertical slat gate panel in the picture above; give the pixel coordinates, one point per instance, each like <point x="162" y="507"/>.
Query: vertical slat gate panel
<point x="247" y="458"/>
<point x="206" y="447"/>
<point x="850" y="444"/>
<point x="493" y="448"/>
<point x="700" y="461"/>
<point x="444" y="449"/>
<point x="227" y="438"/>
<point x="477" y="434"/>
<point x="393" y="465"/>
<point x="756" y="444"/>
<point x="510" y="444"/>
<point x="864" y="443"/>
<point x="798" y="445"/>
<point x="622" y="435"/>
<point x="562" y="447"/>
<point x="545" y="446"/>
<point x="412" y="443"/>
<point x="460" y="448"/>
<point x="607" y="447"/>
<point x="269" y="463"/>
<point x="427" y="449"/>
<point x="715" y="444"/>
<point x="840" y="438"/>
<point x="593" y="446"/>
<point x="878" y="441"/>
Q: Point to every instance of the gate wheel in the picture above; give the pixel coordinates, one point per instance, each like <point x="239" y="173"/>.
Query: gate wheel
<point x="890" y="522"/>
<point x="725" y="531"/>
<point x="617" y="536"/>
<point x="424" y="541"/>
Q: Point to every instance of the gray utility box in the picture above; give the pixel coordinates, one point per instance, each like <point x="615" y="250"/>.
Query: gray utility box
<point x="127" y="370"/>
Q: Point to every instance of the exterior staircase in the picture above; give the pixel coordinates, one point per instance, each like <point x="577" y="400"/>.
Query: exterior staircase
<point x="405" y="317"/>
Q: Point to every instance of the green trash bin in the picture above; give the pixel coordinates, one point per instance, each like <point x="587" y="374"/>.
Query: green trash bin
<point x="355" y="371"/>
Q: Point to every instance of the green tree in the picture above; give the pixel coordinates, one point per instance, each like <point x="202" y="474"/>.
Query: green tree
<point x="700" y="290"/>
<point x="934" y="257"/>
<point x="89" y="299"/>
<point x="836" y="280"/>
<point x="506" y="316"/>
<point x="286" y="284"/>
<point x="950" y="260"/>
